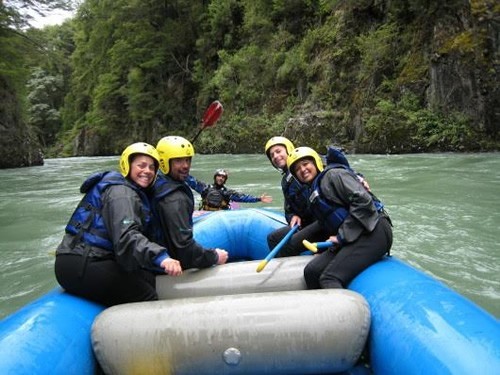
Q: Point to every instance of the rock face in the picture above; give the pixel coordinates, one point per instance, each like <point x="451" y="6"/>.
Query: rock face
<point x="20" y="147"/>
<point x="462" y="78"/>
<point x="458" y="74"/>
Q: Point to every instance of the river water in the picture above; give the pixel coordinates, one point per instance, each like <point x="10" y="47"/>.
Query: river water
<point x="445" y="210"/>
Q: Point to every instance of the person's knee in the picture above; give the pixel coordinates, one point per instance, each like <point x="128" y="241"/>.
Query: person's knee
<point x="311" y="277"/>
<point x="330" y="282"/>
<point x="271" y="240"/>
<point x="310" y="271"/>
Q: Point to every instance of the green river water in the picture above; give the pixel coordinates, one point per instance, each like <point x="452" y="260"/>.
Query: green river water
<point x="445" y="210"/>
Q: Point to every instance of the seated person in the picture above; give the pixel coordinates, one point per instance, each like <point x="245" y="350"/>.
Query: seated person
<point x="105" y="255"/>
<point x="361" y="230"/>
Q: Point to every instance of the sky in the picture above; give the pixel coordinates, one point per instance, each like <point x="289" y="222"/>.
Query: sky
<point x="53" y="18"/>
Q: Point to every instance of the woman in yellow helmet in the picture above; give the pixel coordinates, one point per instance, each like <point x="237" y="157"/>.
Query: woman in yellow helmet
<point x="296" y="205"/>
<point x="105" y="255"/>
<point x="361" y="231"/>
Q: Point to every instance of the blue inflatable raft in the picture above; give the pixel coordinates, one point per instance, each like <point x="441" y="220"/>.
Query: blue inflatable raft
<point x="418" y="325"/>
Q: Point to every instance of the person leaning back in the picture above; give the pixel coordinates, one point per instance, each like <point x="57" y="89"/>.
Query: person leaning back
<point x="296" y="205"/>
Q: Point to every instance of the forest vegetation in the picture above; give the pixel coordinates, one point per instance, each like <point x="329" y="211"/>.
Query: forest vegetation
<point x="371" y="76"/>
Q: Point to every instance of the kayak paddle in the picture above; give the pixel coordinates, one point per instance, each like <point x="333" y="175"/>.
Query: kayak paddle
<point x="210" y="117"/>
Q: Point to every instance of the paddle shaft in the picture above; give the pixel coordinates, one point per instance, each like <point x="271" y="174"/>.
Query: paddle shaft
<point x="277" y="248"/>
<point x="324" y="244"/>
<point x="314" y="246"/>
<point x="282" y="243"/>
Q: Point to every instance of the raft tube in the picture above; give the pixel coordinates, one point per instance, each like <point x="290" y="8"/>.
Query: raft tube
<point x="243" y="233"/>
<point x="281" y="274"/>
<point x="49" y="336"/>
<point x="421" y="326"/>
<point x="418" y="323"/>
<point x="300" y="332"/>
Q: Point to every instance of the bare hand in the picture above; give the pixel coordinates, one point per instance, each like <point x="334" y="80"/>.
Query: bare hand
<point x="264" y="198"/>
<point x="171" y="266"/>
<point x="223" y="255"/>
<point x="333" y="239"/>
<point x="364" y="183"/>
<point x="296" y="220"/>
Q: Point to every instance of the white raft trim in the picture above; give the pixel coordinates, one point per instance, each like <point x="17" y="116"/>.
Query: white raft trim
<point x="280" y="274"/>
<point x="296" y="332"/>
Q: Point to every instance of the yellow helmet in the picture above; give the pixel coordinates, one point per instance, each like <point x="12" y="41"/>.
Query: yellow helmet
<point x="301" y="153"/>
<point x="137" y="148"/>
<point x="173" y="147"/>
<point x="278" y="141"/>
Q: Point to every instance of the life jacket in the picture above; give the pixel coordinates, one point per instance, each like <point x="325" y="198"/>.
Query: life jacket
<point x="327" y="212"/>
<point x="335" y="155"/>
<point x="214" y="199"/>
<point x="296" y="195"/>
<point x="163" y="186"/>
<point x="86" y="222"/>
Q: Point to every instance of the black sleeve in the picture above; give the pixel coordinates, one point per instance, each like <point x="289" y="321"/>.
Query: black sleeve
<point x="175" y="212"/>
<point x="344" y="189"/>
<point x="122" y="213"/>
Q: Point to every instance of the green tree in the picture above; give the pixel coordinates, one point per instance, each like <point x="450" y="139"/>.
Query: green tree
<point x="17" y="138"/>
<point x="132" y="71"/>
<point x="45" y="97"/>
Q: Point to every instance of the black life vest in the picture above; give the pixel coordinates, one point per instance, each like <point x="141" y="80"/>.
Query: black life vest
<point x="329" y="214"/>
<point x="215" y="198"/>
<point x="163" y="186"/>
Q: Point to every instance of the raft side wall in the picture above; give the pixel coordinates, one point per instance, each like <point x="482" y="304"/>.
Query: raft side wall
<point x="421" y="325"/>
<point x="242" y="234"/>
<point x="51" y="335"/>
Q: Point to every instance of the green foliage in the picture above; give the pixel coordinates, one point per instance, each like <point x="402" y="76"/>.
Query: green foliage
<point x="394" y="127"/>
<point x="11" y="44"/>
<point x="377" y="50"/>
<point x="45" y="97"/>
<point x="445" y="132"/>
<point x="242" y="77"/>
<point x="19" y="50"/>
<point x="135" y="66"/>
<point x="354" y="73"/>
<point x="330" y="59"/>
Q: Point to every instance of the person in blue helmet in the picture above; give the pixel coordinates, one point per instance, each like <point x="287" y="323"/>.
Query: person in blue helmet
<point x="105" y="255"/>
<point x="217" y="196"/>
<point x="360" y="229"/>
